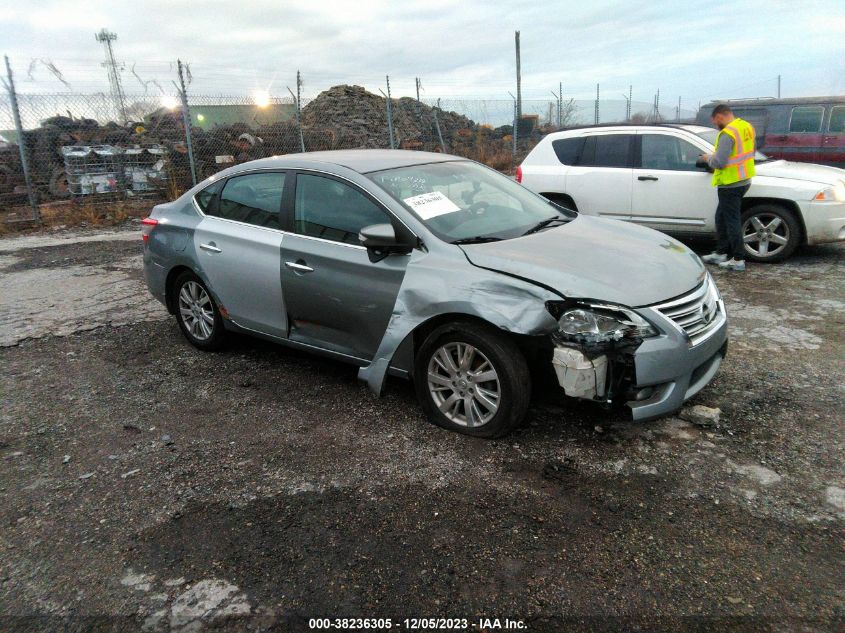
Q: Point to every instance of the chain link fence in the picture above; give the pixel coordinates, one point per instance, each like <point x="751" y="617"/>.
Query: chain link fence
<point x="71" y="152"/>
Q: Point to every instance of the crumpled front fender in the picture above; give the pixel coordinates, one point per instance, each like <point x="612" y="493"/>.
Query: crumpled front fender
<point x="439" y="283"/>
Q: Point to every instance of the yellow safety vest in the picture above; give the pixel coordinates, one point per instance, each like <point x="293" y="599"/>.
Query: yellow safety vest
<point x="741" y="161"/>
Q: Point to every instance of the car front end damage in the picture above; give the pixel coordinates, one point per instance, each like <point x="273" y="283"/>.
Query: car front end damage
<point x="651" y="358"/>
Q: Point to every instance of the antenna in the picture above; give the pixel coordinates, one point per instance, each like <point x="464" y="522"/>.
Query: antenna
<point x="106" y="37"/>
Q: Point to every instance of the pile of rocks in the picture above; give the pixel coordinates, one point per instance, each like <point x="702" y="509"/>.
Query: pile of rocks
<point x="350" y="116"/>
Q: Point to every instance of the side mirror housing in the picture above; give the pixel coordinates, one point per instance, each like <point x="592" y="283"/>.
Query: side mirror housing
<point x="378" y="237"/>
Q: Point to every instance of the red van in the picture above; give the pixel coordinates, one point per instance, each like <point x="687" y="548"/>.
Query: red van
<point x="807" y="130"/>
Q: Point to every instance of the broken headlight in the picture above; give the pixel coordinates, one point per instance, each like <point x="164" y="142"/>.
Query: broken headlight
<point x="601" y="323"/>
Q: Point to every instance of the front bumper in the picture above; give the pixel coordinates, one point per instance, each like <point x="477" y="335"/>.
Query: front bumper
<point x="824" y="222"/>
<point x="670" y="370"/>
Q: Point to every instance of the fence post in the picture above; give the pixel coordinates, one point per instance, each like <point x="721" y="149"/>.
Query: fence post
<point x="295" y="98"/>
<point x="437" y="127"/>
<point x="299" y="111"/>
<point x="186" y="120"/>
<point x="515" y="125"/>
<point x="389" y="114"/>
<point x="13" y="100"/>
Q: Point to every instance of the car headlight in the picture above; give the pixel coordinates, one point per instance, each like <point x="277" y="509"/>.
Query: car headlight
<point x="602" y="323"/>
<point x="831" y="194"/>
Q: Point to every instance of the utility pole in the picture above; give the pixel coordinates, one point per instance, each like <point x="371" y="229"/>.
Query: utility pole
<point x="186" y="120"/>
<point x="678" y="111"/>
<point x="417" y="80"/>
<point x="106" y="37"/>
<point x="518" y="80"/>
<point x="657" y="106"/>
<point x="778" y="86"/>
<point x="630" y="96"/>
<point x="597" y="104"/>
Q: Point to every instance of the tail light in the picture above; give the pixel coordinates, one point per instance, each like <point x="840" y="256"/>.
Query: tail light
<point x="519" y="173"/>
<point x="147" y="226"/>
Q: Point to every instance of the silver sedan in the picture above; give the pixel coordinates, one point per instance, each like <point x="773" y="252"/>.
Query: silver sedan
<point x="438" y="269"/>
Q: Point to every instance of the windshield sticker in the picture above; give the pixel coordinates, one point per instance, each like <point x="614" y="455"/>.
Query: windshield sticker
<point x="430" y="205"/>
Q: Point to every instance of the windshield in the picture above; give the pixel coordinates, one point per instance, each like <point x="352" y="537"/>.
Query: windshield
<point x="710" y="137"/>
<point x="463" y="201"/>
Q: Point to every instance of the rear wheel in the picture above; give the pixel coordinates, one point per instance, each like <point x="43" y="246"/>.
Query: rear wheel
<point x="197" y="314"/>
<point x="472" y="379"/>
<point x="770" y="233"/>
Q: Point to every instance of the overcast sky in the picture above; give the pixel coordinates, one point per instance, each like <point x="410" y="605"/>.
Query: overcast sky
<point x="697" y="50"/>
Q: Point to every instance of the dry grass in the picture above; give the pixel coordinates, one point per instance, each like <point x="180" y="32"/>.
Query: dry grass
<point x="69" y="214"/>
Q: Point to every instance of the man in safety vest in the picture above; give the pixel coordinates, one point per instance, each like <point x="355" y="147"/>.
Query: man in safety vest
<point x="733" y="165"/>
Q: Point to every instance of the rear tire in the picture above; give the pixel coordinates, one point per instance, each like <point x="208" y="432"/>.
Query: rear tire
<point x="770" y="233"/>
<point x="472" y="379"/>
<point x="197" y="314"/>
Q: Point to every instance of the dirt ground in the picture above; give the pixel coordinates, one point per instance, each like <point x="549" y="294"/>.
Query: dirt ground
<point x="148" y="485"/>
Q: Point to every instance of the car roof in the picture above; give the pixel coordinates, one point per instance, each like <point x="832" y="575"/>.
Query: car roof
<point x="765" y="101"/>
<point x="609" y="127"/>
<point x="361" y="160"/>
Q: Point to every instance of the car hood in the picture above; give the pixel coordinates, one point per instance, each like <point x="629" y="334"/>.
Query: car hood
<point x="596" y="258"/>
<point x="823" y="174"/>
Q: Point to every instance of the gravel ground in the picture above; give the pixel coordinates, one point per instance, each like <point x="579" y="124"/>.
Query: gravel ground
<point x="147" y="485"/>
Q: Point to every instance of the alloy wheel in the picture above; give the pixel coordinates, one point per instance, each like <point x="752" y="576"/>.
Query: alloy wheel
<point x="196" y="310"/>
<point x="464" y="384"/>
<point x="765" y="235"/>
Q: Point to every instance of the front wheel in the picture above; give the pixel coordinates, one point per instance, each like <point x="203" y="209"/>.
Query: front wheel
<point x="769" y="233"/>
<point x="472" y="379"/>
<point x="197" y="314"/>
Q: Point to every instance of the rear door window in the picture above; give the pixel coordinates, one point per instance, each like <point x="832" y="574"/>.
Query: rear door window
<point x="567" y="150"/>
<point x="661" y="151"/>
<point x="252" y="198"/>
<point x="837" y="120"/>
<point x="607" y="150"/>
<point x="806" y="119"/>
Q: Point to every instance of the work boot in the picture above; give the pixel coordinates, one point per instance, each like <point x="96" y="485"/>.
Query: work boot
<point x="737" y="265"/>
<point x="714" y="258"/>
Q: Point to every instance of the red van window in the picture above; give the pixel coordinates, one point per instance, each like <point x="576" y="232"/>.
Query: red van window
<point x="806" y="119"/>
<point x="837" y="120"/>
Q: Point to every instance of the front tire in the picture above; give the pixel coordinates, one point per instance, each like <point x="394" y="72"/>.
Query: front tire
<point x="197" y="314"/>
<point x="472" y="379"/>
<point x="770" y="233"/>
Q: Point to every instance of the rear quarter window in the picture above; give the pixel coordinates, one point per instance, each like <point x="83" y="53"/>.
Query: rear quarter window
<point x="837" y="120"/>
<point x="568" y="149"/>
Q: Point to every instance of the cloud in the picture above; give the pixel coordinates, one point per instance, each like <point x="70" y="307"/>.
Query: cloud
<point x="458" y="48"/>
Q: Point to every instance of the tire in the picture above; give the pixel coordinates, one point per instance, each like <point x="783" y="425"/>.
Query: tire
<point x="197" y="313"/>
<point x="438" y="382"/>
<point x="770" y="233"/>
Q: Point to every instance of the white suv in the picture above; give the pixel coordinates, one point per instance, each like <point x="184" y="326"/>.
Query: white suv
<point x="649" y="174"/>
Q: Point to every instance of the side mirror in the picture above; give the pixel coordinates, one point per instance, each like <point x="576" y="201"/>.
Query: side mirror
<point x="703" y="164"/>
<point x="378" y="237"/>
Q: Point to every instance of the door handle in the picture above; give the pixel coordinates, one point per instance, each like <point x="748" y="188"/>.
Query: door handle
<point x="647" y="178"/>
<point x="299" y="268"/>
<point x="211" y="248"/>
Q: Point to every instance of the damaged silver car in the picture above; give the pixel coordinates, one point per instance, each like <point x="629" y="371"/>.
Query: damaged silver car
<point x="441" y="270"/>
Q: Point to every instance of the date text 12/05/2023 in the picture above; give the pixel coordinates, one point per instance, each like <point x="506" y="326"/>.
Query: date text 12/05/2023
<point x="417" y="624"/>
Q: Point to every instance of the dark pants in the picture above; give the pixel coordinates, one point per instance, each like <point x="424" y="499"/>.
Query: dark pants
<point x="729" y="222"/>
